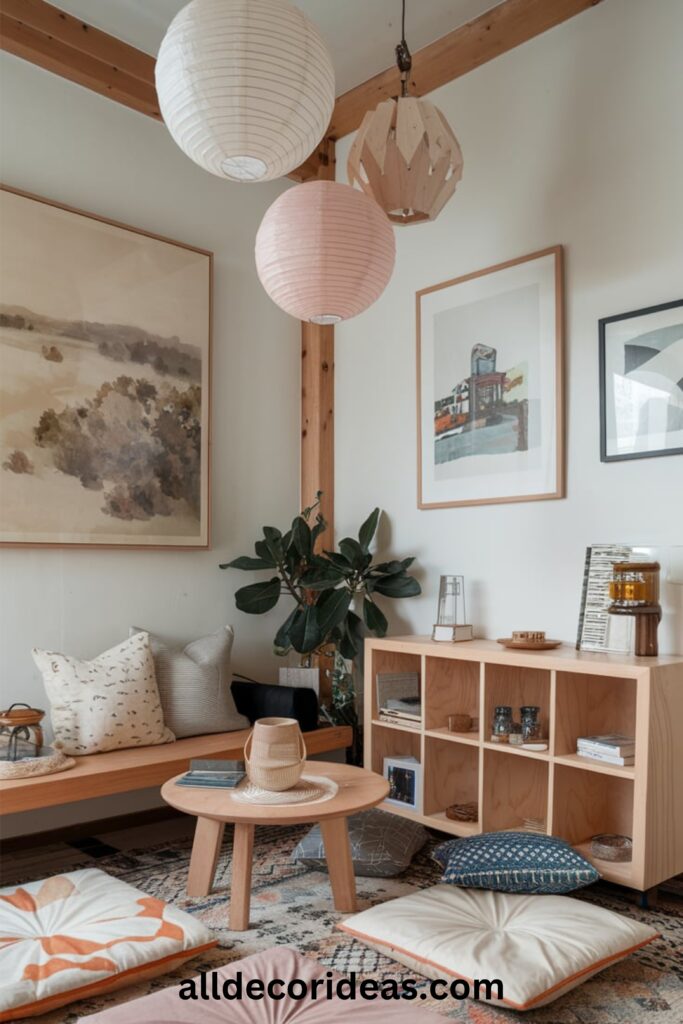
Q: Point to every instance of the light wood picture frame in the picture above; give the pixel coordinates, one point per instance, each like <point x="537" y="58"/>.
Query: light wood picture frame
<point x="490" y="385"/>
<point x="105" y="389"/>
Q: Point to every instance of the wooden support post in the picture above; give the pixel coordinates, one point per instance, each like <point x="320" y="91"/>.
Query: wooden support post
<point x="317" y="397"/>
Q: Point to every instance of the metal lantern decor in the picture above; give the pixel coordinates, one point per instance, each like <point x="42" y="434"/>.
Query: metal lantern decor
<point x="405" y="154"/>
<point x="246" y="87"/>
<point x="324" y="252"/>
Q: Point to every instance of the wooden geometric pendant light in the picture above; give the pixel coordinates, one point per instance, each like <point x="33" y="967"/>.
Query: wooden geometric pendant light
<point x="405" y="154"/>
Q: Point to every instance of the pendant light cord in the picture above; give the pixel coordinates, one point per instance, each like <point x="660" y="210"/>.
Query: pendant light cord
<point x="403" y="57"/>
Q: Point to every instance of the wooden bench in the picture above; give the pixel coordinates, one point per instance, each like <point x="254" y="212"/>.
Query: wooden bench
<point x="121" y="771"/>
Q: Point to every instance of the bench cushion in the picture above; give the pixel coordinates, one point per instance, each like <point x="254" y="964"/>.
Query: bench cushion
<point x="83" y="933"/>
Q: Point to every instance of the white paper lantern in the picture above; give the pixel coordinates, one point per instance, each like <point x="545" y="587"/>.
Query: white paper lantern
<point x="246" y="87"/>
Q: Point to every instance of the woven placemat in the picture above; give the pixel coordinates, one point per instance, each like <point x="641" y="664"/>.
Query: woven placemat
<point x="308" y="789"/>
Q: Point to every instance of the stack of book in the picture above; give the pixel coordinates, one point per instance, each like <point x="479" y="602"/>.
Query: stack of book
<point x="612" y="748"/>
<point x="402" y="711"/>
<point x="220" y="774"/>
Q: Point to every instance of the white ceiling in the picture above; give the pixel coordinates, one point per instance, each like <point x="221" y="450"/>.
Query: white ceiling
<point x="361" y="34"/>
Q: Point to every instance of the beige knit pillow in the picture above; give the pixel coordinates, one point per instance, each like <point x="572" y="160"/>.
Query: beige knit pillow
<point x="104" y="704"/>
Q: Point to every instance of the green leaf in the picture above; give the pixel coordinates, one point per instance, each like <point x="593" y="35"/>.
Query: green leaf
<point x="352" y="639"/>
<point x="397" y="586"/>
<point x="305" y="632"/>
<point x="368" y="530"/>
<point x="318" y="529"/>
<point x="263" y="552"/>
<point x="332" y="608"/>
<point x="258" y="598"/>
<point x="301" y="537"/>
<point x="321" y="579"/>
<point x="338" y="560"/>
<point x="375" y="619"/>
<point x="353" y="553"/>
<point x="282" y="638"/>
<point x="274" y="542"/>
<point x="391" y="568"/>
<point x="246" y="563"/>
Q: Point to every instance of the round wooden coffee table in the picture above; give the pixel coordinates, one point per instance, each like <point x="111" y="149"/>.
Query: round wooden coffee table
<point x="358" y="790"/>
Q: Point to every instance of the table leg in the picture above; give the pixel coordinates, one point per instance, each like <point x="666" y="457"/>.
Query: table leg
<point x="240" y="890"/>
<point x="206" y="849"/>
<point x="338" y="854"/>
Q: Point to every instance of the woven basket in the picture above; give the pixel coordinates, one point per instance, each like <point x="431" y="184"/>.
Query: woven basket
<point x="275" y="753"/>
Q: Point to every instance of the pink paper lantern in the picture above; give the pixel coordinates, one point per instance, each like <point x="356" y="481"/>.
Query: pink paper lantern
<point x="324" y="251"/>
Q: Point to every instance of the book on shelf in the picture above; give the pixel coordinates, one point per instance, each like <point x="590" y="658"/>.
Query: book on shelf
<point x="597" y="755"/>
<point x="398" y="718"/>
<point x="610" y="743"/>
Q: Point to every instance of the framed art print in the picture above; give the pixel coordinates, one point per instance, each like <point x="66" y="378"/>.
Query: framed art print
<point x="490" y="385"/>
<point x="641" y="383"/>
<point x="105" y="348"/>
<point x="404" y="775"/>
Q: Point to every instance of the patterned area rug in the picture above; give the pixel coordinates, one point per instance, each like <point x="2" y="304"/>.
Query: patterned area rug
<point x="293" y="906"/>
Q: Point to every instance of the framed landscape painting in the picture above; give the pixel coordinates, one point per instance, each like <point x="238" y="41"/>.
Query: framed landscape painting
<point x="105" y="349"/>
<point x="641" y="383"/>
<point x="490" y="385"/>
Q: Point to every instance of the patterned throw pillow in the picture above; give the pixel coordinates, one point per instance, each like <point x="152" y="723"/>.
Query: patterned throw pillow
<point x="194" y="684"/>
<point x="382" y="845"/>
<point x="514" y="862"/>
<point x="104" y="704"/>
<point x="84" y="933"/>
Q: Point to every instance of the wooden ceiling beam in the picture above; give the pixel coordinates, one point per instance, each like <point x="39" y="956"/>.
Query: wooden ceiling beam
<point x="504" y="27"/>
<point x="41" y="33"/>
<point x="47" y="36"/>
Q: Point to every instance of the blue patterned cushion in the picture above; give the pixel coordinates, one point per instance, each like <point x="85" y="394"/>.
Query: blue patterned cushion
<point x="514" y="862"/>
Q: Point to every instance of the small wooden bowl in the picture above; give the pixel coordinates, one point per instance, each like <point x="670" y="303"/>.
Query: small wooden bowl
<point x="463" y="812"/>
<point x="528" y="645"/>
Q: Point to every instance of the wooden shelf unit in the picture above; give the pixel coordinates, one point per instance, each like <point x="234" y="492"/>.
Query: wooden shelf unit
<point x="579" y="694"/>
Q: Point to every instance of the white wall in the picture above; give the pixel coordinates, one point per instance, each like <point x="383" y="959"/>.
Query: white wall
<point x="66" y="143"/>
<point x="576" y="138"/>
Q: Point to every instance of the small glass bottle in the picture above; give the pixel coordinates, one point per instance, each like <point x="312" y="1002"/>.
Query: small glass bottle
<point x="502" y="724"/>
<point x="531" y="726"/>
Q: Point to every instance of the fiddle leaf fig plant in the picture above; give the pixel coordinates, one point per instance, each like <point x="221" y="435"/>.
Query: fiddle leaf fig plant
<point x="322" y="585"/>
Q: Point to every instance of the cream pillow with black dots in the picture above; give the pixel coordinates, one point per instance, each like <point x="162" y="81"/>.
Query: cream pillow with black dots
<point x="104" y="704"/>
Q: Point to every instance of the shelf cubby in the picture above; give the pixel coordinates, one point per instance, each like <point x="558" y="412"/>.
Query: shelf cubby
<point x="450" y="776"/>
<point x="391" y="661"/>
<point x="586" y="803"/>
<point x="514" y="788"/>
<point x="579" y="694"/>
<point x="591" y="706"/>
<point x="390" y="742"/>
<point x="516" y="686"/>
<point x="450" y="687"/>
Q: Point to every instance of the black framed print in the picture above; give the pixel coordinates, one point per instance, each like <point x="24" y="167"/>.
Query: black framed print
<point x="641" y="383"/>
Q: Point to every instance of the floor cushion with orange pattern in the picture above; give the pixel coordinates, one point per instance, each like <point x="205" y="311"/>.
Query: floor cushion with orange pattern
<point x="82" y="933"/>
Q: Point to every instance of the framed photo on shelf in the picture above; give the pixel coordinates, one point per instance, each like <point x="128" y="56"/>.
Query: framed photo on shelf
<point x="641" y="383"/>
<point x="404" y="775"/>
<point x="105" y="347"/>
<point x="490" y="385"/>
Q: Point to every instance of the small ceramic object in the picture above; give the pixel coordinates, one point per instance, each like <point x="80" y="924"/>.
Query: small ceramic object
<point x="531" y="726"/>
<point x="463" y="812"/>
<point x="534" y="746"/>
<point x="502" y="724"/>
<point x="608" y="846"/>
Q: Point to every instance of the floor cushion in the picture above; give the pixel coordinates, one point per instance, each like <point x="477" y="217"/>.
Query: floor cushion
<point x="538" y="947"/>
<point x="194" y="683"/>
<point x="382" y="845"/>
<point x="514" y="862"/>
<point x="280" y="962"/>
<point x="104" y="704"/>
<point x="84" y="933"/>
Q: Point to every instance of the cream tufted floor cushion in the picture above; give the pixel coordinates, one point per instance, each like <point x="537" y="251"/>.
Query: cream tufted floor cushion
<point x="539" y="947"/>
